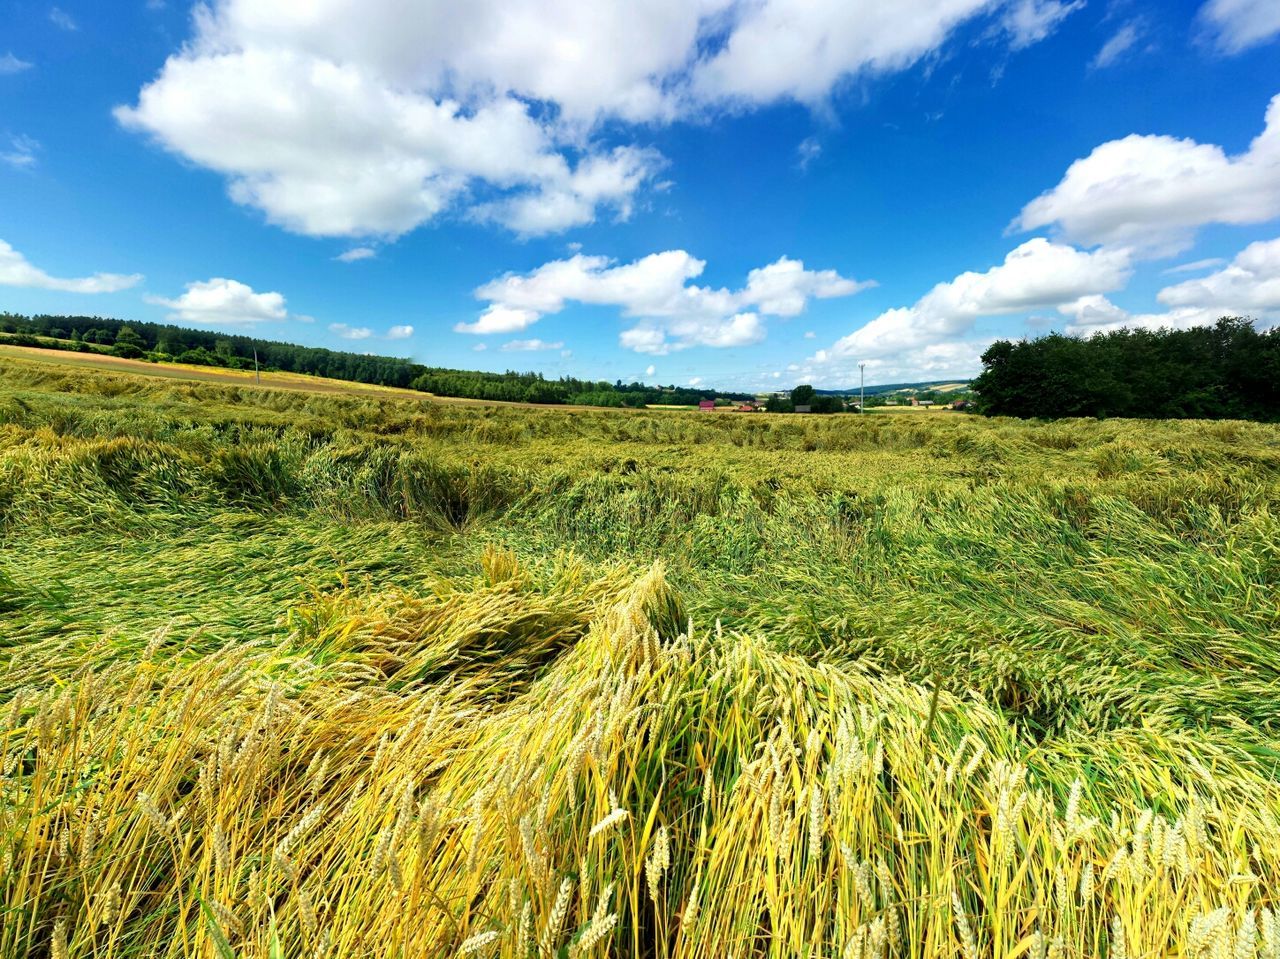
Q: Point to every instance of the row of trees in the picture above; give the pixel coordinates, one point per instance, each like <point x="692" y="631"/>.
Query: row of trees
<point x="1226" y="371"/>
<point x="162" y="342"/>
<point x="534" y="388"/>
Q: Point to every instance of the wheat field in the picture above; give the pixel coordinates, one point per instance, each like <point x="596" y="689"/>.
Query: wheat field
<point x="290" y="675"/>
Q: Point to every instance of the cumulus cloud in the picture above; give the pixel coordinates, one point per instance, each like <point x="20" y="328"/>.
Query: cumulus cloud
<point x="400" y="332"/>
<point x="223" y="302"/>
<point x="530" y="346"/>
<point x="1153" y="192"/>
<point x="1248" y="286"/>
<point x="350" y="332"/>
<point x="650" y="370"/>
<point x="9" y="65"/>
<point x="1236" y="25"/>
<point x="369" y="118"/>
<point x="801" y="49"/>
<point x="1097" y="314"/>
<point x="355" y="254"/>
<point x="337" y="151"/>
<point x="935" y="335"/>
<point x="499" y="319"/>
<point x="674" y="314"/>
<point x="15" y="270"/>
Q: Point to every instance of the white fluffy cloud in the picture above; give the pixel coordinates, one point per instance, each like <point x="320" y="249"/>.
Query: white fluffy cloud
<point x="222" y="302"/>
<point x="15" y="270"/>
<point x="673" y="313"/>
<point x="1236" y="25"/>
<point x="499" y="319"/>
<point x="1097" y="314"/>
<point x="350" y="332"/>
<point x="370" y="117"/>
<point x="1152" y="192"/>
<point x="337" y="151"/>
<point x="400" y="332"/>
<point x="935" y="337"/>
<point x="801" y="49"/>
<point x="1248" y="286"/>
<point x="1036" y="275"/>
<point x="530" y="346"/>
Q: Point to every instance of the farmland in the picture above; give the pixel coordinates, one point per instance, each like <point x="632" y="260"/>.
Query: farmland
<point x="306" y="674"/>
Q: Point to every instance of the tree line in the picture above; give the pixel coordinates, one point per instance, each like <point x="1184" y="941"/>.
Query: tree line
<point x="1229" y="370"/>
<point x="160" y="342"/>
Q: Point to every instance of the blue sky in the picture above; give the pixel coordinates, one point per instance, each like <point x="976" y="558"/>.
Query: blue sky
<point x="738" y="194"/>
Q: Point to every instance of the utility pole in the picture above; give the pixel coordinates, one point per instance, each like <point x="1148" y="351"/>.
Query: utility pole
<point x="862" y="388"/>
<point x="257" y="377"/>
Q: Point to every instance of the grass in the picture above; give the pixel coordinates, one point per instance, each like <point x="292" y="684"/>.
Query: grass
<point x="290" y="674"/>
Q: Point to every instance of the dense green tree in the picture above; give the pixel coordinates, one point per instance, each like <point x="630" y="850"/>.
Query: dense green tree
<point x="1228" y="370"/>
<point x="802" y="395"/>
<point x="128" y="336"/>
<point x="823" y="403"/>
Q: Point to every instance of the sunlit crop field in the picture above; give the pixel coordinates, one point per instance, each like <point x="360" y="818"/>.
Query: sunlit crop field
<point x="289" y="674"/>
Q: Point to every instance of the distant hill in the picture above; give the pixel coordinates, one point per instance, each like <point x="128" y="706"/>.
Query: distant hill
<point x="942" y="386"/>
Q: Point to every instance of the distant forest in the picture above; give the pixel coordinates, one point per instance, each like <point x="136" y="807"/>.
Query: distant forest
<point x="164" y="343"/>
<point x="1226" y="371"/>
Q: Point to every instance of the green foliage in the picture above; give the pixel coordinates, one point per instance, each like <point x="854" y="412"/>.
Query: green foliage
<point x="827" y="404"/>
<point x="802" y="395"/>
<point x="1227" y="371"/>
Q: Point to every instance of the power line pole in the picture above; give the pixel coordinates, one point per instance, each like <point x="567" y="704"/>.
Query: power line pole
<point x="257" y="377"/>
<point x="862" y="388"/>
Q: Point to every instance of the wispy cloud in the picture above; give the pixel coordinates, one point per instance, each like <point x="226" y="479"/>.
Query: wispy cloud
<point x="21" y="154"/>
<point x="530" y="346"/>
<point x="1121" y="42"/>
<point x="62" y="19"/>
<point x="9" y="65"/>
<point x="808" y="151"/>
<point x="1197" y="265"/>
